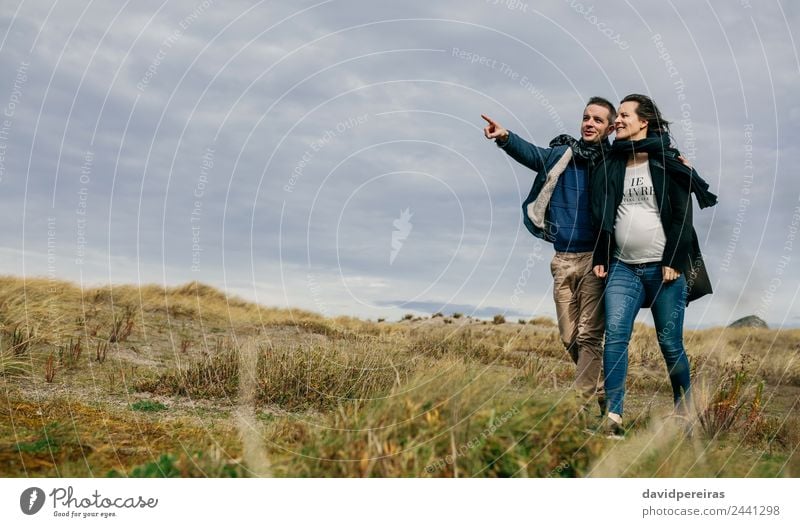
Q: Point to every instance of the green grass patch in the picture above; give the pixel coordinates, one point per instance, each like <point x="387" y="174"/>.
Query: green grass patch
<point x="148" y="406"/>
<point x="183" y="466"/>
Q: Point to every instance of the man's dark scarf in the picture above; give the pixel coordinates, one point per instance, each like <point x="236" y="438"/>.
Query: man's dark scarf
<point x="612" y="172"/>
<point x="589" y="152"/>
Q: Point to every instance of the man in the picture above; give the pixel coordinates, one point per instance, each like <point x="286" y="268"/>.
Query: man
<point x="558" y="210"/>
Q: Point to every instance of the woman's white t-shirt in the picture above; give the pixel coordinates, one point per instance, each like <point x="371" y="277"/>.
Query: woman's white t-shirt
<point x="637" y="230"/>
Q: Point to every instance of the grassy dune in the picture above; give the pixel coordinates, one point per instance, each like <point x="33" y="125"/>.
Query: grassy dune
<point x="186" y="381"/>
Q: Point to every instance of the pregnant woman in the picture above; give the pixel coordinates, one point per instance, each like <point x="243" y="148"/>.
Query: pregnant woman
<point x="647" y="247"/>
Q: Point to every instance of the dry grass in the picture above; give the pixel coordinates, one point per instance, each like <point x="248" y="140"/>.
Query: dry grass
<point x="11" y="365"/>
<point x="773" y="355"/>
<point x="293" y="378"/>
<point x="662" y="450"/>
<point x="454" y="422"/>
<point x="546" y="322"/>
<point x="436" y="397"/>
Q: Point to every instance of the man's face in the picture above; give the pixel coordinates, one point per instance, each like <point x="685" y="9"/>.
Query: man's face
<point x="596" y="125"/>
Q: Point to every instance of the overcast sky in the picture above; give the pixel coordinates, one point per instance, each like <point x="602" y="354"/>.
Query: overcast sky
<point x="272" y="148"/>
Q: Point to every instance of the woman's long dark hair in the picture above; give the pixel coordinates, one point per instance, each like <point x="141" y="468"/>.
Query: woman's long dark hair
<point x="648" y="111"/>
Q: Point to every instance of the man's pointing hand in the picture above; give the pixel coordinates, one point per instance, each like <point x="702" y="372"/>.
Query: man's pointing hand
<point x="494" y="130"/>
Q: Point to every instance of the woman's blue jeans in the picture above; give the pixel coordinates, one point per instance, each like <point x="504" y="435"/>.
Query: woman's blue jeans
<point x="629" y="288"/>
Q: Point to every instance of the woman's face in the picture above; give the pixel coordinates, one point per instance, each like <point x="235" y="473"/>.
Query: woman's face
<point x="628" y="125"/>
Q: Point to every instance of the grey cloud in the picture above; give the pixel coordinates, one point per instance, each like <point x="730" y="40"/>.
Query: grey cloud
<point x="226" y="87"/>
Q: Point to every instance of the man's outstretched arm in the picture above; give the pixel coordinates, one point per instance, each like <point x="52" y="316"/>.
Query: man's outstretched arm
<point x="522" y="151"/>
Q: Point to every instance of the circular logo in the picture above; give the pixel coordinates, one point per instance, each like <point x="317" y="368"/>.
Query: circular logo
<point x="31" y="500"/>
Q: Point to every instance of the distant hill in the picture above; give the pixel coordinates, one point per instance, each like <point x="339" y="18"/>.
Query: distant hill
<point x="750" y="321"/>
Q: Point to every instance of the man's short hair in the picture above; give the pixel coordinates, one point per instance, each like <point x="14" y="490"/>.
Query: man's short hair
<point x="605" y="103"/>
